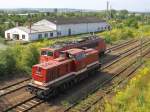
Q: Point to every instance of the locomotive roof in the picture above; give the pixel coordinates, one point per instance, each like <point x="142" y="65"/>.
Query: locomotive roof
<point x="54" y="63"/>
<point x="60" y="45"/>
<point x="51" y="63"/>
<point x="74" y="51"/>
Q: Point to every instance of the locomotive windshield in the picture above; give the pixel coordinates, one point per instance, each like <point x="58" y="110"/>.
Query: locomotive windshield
<point x="62" y="54"/>
<point x="47" y="53"/>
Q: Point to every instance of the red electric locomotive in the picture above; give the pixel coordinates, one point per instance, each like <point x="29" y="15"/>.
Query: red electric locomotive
<point x="53" y="52"/>
<point x="71" y="66"/>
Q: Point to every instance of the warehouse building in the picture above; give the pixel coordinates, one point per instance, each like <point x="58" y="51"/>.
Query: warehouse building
<point x="51" y="28"/>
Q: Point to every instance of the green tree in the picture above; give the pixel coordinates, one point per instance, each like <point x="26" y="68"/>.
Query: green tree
<point x="131" y="23"/>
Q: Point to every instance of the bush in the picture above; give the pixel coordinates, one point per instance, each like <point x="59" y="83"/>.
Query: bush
<point x="117" y="34"/>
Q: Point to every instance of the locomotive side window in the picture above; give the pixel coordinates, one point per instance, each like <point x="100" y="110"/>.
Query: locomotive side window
<point x="62" y="54"/>
<point x="80" y="56"/>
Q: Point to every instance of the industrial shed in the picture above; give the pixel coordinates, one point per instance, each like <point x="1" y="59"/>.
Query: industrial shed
<point x="51" y="28"/>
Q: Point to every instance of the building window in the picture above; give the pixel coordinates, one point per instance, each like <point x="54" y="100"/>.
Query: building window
<point x="51" y="34"/>
<point x="99" y="29"/>
<point x="39" y="36"/>
<point x="23" y="36"/>
<point x="69" y="31"/>
<point x="59" y="33"/>
<point x="46" y="35"/>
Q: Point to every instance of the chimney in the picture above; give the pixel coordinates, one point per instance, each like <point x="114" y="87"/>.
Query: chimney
<point x="17" y="24"/>
<point x="30" y="26"/>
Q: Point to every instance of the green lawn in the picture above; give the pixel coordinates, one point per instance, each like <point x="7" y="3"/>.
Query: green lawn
<point x="2" y="45"/>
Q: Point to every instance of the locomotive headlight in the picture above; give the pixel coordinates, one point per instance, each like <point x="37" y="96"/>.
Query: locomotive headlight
<point x="44" y="83"/>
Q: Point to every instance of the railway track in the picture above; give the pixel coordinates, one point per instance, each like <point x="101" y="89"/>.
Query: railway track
<point x="100" y="92"/>
<point x="28" y="104"/>
<point x="14" y="87"/>
<point x="114" y="55"/>
<point x="115" y="47"/>
<point x="124" y="55"/>
<point x="25" y="105"/>
<point x="21" y="84"/>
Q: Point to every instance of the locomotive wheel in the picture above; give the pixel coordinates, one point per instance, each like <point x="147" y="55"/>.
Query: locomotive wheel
<point x="75" y="80"/>
<point x="71" y="83"/>
<point x="65" y="86"/>
<point x="55" y="92"/>
<point x="102" y="53"/>
<point x="61" y="88"/>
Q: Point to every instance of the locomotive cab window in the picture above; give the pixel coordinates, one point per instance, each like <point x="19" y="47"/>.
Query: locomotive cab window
<point x="47" y="53"/>
<point x="43" y="53"/>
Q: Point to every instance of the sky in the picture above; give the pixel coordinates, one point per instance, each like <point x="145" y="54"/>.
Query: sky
<point x="131" y="5"/>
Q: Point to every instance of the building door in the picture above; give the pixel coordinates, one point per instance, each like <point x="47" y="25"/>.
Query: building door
<point x="16" y="36"/>
<point x="69" y="31"/>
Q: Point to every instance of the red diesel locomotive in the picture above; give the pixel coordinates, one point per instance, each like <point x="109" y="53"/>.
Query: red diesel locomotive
<point x="53" y="52"/>
<point x="71" y="66"/>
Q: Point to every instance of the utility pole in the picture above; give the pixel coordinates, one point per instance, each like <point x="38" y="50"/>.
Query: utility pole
<point x="107" y="11"/>
<point x="30" y="24"/>
<point x="141" y="48"/>
<point x="108" y="16"/>
<point x="141" y="43"/>
<point x="110" y="12"/>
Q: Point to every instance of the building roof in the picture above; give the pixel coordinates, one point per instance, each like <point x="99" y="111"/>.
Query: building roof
<point x="36" y="29"/>
<point x="45" y="25"/>
<point x="75" y="20"/>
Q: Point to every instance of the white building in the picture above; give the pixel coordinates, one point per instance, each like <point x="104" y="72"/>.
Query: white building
<point x="56" y="28"/>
